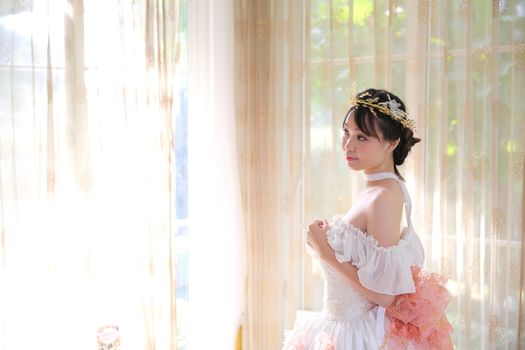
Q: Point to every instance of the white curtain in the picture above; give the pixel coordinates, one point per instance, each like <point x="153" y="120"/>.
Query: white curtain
<point x="216" y="259"/>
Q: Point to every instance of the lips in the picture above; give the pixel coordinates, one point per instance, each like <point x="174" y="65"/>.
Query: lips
<point x="350" y="158"/>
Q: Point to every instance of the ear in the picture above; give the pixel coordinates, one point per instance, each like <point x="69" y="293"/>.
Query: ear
<point x="391" y="145"/>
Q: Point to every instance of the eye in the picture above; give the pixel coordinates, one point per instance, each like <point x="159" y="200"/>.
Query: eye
<point x="361" y="138"/>
<point x="345" y="132"/>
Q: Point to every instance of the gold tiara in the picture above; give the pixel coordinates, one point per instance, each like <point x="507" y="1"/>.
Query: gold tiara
<point x="390" y="108"/>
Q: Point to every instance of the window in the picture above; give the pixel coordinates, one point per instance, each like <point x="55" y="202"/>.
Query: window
<point x="458" y="67"/>
<point x="181" y="191"/>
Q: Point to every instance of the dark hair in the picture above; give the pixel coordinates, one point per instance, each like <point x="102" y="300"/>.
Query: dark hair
<point x="390" y="128"/>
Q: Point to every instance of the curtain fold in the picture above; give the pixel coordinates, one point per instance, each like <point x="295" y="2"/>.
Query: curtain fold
<point x="268" y="91"/>
<point x="86" y="185"/>
<point x="216" y="260"/>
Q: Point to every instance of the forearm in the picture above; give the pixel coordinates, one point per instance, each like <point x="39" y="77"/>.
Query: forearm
<point x="349" y="274"/>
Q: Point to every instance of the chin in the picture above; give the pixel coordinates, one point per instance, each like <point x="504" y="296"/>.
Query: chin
<point x="355" y="167"/>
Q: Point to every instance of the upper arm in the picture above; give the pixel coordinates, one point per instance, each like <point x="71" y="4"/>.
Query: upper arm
<point x="384" y="218"/>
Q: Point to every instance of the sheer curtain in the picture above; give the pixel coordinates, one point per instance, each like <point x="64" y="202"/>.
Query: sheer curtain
<point x="459" y="66"/>
<point x="86" y="107"/>
<point x="268" y="91"/>
<point x="216" y="260"/>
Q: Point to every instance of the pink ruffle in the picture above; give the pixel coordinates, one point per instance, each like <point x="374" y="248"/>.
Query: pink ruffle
<point x="419" y="318"/>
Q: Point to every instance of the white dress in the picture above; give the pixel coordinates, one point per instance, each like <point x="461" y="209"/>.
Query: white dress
<point x="348" y="320"/>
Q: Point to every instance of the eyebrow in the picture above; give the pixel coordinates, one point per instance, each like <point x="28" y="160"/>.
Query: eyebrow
<point x="347" y="128"/>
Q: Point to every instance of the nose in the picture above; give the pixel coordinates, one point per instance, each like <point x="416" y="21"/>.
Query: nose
<point x="348" y="144"/>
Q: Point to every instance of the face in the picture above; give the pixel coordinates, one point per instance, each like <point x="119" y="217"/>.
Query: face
<point x="363" y="152"/>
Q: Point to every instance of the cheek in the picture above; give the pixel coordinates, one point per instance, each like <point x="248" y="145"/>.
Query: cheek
<point x="371" y="149"/>
<point x="365" y="147"/>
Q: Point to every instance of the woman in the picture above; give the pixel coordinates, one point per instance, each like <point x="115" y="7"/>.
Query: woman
<point x="366" y="258"/>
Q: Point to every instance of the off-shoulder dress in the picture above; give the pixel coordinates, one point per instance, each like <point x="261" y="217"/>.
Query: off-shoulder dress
<point x="349" y="320"/>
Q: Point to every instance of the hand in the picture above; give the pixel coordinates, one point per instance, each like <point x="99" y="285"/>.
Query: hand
<point x="316" y="237"/>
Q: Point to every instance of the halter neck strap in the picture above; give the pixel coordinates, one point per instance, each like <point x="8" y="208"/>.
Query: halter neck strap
<point x="406" y="195"/>
<point x="380" y="176"/>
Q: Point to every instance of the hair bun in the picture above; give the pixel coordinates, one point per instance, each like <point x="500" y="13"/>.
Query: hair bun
<point x="405" y="145"/>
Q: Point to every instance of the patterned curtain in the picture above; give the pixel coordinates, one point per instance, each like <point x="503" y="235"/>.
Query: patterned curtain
<point x="269" y="81"/>
<point x="459" y="66"/>
<point x="86" y="106"/>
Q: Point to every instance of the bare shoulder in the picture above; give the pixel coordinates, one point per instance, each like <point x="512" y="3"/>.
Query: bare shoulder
<point x="384" y="213"/>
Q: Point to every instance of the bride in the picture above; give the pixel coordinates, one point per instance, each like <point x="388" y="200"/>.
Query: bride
<point x="375" y="294"/>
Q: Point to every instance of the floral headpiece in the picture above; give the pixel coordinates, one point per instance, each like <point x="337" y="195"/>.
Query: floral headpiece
<point x="390" y="108"/>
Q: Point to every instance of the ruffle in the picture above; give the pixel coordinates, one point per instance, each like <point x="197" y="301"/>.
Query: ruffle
<point x="385" y="270"/>
<point x="419" y="318"/>
<point x="320" y="333"/>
